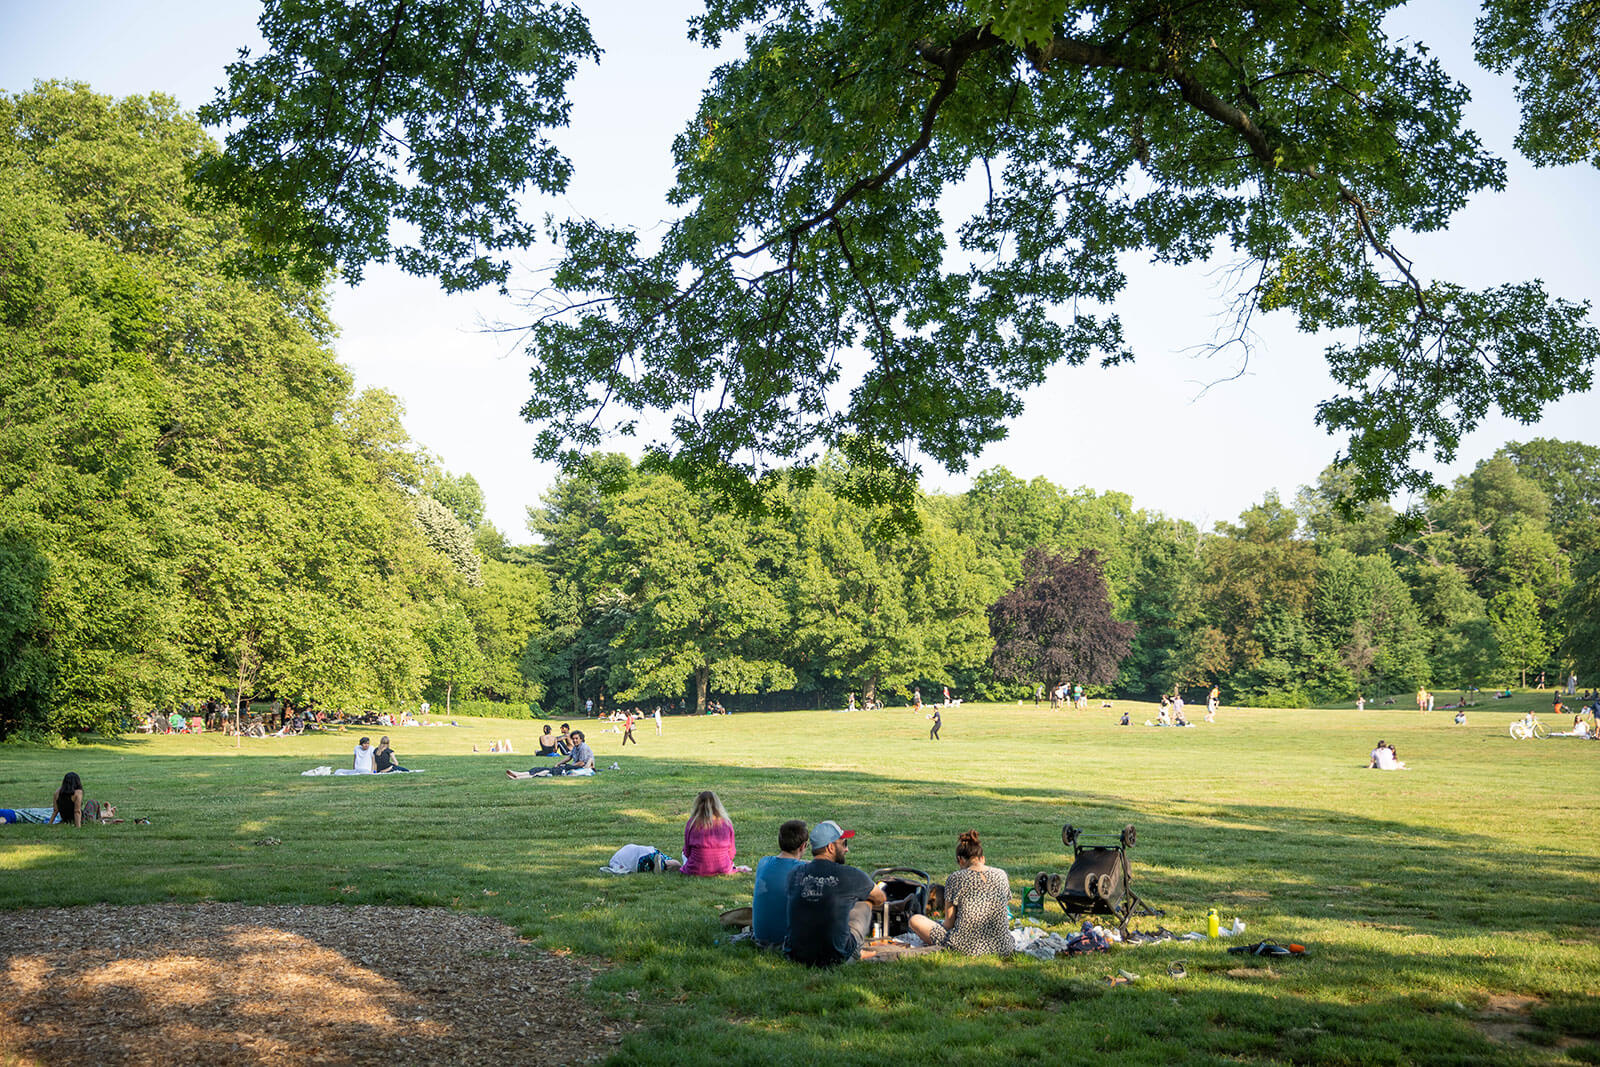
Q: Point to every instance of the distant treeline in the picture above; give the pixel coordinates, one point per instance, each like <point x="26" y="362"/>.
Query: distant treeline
<point x="196" y="504"/>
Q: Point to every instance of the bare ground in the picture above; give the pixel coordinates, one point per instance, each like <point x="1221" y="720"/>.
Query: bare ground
<point x="231" y="984"/>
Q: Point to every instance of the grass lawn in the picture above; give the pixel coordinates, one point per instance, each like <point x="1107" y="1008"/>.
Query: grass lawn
<point x="1452" y="911"/>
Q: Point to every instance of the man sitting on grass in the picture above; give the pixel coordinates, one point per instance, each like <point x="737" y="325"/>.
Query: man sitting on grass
<point x="830" y="903"/>
<point x="1383" y="759"/>
<point x="769" y="906"/>
<point x="579" y="761"/>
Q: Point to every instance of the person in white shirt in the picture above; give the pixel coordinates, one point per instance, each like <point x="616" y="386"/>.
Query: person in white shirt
<point x="363" y="764"/>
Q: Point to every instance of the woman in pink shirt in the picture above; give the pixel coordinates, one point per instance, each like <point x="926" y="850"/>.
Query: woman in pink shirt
<point x="707" y="838"/>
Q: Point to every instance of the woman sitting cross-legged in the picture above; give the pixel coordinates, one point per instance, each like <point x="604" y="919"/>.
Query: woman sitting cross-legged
<point x="976" y="896"/>
<point x="708" y="844"/>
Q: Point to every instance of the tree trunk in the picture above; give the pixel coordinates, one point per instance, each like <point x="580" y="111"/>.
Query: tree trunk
<point x="577" y="697"/>
<point x="702" y="682"/>
<point x="447" y="687"/>
<point x="871" y="695"/>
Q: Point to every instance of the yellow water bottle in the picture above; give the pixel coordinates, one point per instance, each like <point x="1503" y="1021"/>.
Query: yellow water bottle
<point x="1211" y="923"/>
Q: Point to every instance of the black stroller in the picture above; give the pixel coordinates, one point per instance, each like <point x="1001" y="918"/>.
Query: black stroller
<point x="908" y="891"/>
<point x="1099" y="881"/>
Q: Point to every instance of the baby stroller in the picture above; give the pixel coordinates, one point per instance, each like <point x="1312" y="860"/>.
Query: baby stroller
<point x="1099" y="881"/>
<point x="908" y="890"/>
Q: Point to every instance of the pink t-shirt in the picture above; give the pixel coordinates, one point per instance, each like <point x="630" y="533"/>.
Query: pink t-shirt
<point x="707" y="849"/>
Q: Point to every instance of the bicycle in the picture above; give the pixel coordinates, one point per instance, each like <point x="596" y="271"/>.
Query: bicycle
<point x="1522" y="730"/>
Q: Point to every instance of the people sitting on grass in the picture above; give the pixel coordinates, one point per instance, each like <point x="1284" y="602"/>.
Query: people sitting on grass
<point x="769" y="904"/>
<point x="1461" y="716"/>
<point x="830" y="902"/>
<point x="708" y="841"/>
<point x="976" y="897"/>
<point x="547" y="742"/>
<point x="580" y="761"/>
<point x="363" y="757"/>
<point x="1383" y="758"/>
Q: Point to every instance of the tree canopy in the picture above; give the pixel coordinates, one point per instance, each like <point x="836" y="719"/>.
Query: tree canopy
<point x="895" y="219"/>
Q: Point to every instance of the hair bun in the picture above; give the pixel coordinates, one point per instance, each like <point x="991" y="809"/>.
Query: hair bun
<point x="970" y="837"/>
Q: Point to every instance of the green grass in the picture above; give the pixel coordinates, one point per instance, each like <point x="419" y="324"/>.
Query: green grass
<point x="1421" y="895"/>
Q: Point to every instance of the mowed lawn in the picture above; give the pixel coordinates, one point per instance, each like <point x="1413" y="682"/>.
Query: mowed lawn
<point x="1451" y="912"/>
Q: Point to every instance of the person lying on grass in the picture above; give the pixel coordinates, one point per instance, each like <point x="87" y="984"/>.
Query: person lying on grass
<point x="708" y="843"/>
<point x="579" y="761"/>
<point x="68" y="807"/>
<point x="976" y="897"/>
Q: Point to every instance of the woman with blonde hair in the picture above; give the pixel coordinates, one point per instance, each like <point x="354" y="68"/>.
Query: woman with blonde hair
<point x="708" y="844"/>
<point x="976" y="896"/>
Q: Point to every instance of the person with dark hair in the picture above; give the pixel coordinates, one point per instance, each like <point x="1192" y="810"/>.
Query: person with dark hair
<point x="547" y="743"/>
<point x="708" y="841"/>
<point x="976" y="896"/>
<point x="933" y="734"/>
<point x="69" y="800"/>
<point x="830" y="902"/>
<point x="769" y="904"/>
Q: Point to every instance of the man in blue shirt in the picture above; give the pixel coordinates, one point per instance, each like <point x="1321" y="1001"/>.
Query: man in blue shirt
<point x="769" y="923"/>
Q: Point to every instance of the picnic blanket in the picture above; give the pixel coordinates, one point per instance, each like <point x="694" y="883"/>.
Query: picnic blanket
<point x="322" y="772"/>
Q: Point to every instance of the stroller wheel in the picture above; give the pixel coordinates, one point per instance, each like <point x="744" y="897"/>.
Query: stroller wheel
<point x="1041" y="884"/>
<point x="1055" y="885"/>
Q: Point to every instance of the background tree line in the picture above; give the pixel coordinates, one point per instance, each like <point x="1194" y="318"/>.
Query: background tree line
<point x="196" y="503"/>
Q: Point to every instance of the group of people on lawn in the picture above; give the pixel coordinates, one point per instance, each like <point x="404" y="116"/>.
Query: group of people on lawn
<point x="817" y="908"/>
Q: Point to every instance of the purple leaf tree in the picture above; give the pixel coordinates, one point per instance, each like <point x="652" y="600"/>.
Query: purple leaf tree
<point x="1056" y="626"/>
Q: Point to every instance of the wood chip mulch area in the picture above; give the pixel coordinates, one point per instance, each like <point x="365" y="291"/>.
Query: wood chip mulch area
<point x="231" y="984"/>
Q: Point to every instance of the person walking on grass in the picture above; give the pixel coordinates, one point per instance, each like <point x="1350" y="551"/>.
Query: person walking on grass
<point x="627" y="729"/>
<point x="658" y="720"/>
<point x="933" y="734"/>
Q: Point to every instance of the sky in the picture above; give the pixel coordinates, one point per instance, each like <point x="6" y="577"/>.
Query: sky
<point x="1181" y="434"/>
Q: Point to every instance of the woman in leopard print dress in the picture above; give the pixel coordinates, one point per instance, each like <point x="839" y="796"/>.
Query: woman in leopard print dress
<point x="976" y="897"/>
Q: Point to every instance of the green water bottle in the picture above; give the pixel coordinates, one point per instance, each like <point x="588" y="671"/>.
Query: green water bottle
<point x="1211" y="923"/>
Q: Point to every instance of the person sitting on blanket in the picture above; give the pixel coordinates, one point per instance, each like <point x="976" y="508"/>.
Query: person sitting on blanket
<point x="769" y="904"/>
<point x="976" y="898"/>
<point x="579" y="761"/>
<point x="383" y="759"/>
<point x="363" y="756"/>
<point x="1383" y="759"/>
<point x="830" y="902"/>
<point x="708" y="841"/>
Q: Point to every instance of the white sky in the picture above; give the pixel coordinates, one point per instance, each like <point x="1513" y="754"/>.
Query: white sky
<point x="1145" y="429"/>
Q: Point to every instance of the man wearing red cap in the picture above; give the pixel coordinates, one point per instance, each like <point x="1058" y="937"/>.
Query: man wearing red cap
<point x="830" y="902"/>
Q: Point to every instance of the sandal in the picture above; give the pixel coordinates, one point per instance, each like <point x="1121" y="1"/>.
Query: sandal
<point x="1177" y="970"/>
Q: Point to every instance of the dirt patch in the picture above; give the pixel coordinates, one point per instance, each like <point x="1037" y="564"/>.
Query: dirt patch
<point x="1255" y="973"/>
<point x="1504" y="1018"/>
<point x="231" y="984"/>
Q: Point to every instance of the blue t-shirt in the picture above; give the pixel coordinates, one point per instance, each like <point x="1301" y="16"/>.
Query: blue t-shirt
<point x="769" y="924"/>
